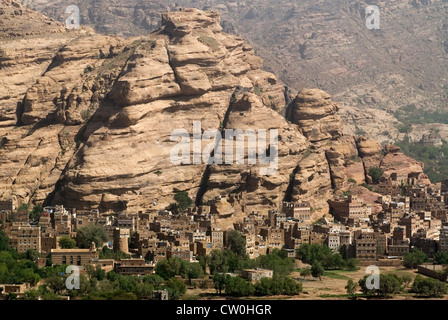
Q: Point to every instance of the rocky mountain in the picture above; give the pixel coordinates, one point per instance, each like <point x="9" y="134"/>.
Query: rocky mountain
<point x="320" y="44"/>
<point x="86" y="120"/>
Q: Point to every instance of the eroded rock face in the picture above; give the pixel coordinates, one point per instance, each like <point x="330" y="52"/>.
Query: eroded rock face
<point x="396" y="161"/>
<point x="248" y="112"/>
<point x="371" y="152"/>
<point x="88" y="121"/>
<point x="43" y="92"/>
<point x="186" y="72"/>
<point x="313" y="181"/>
<point x="315" y="114"/>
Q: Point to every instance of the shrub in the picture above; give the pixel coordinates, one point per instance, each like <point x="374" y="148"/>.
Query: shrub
<point x="414" y="258"/>
<point x="88" y="69"/>
<point x="376" y="173"/>
<point x="238" y="287"/>
<point x="428" y="287"/>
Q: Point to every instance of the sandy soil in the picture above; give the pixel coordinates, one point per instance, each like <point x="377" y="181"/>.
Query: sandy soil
<point x="313" y="288"/>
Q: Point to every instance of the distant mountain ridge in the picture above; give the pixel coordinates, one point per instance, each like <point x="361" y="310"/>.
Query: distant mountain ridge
<point x="320" y="44"/>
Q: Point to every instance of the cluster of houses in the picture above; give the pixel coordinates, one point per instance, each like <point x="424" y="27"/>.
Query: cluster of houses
<point x="411" y="215"/>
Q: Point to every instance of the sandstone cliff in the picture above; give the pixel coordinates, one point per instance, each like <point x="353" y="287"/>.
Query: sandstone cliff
<point x="87" y="120"/>
<point x="323" y="44"/>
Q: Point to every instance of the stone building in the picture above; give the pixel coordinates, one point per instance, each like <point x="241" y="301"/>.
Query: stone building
<point x="23" y="237"/>
<point x="431" y="139"/>
<point x="45" y="221"/>
<point x="365" y="246"/>
<point x="317" y="238"/>
<point x="127" y="221"/>
<point x="333" y="241"/>
<point x="179" y="252"/>
<point x="399" y="178"/>
<point x="78" y="257"/>
<point x="297" y="210"/>
<point x="217" y="238"/>
<point x="6" y="208"/>
<point x="351" y="210"/>
<point x="255" y="275"/>
<point x="62" y="220"/>
<point x="160" y="295"/>
<point x="412" y="223"/>
<point x="121" y="240"/>
<point x="276" y="219"/>
<point x="48" y="241"/>
<point x="274" y="237"/>
<point x="137" y="267"/>
<point x="443" y="237"/>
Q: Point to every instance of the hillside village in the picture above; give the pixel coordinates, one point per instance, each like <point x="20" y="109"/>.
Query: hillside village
<point x="88" y="183"/>
<point x="412" y="215"/>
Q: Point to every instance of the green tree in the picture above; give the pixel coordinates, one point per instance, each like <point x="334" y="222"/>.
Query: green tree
<point x="291" y="287"/>
<point x="84" y="287"/>
<point x="203" y="262"/>
<point x="264" y="287"/>
<point x="176" y="288"/>
<point x="4" y="241"/>
<point x="376" y="173"/>
<point x="277" y="286"/>
<point x="127" y="283"/>
<point x="276" y="261"/>
<point x="310" y="253"/>
<point x="56" y="284"/>
<point x="67" y="242"/>
<point x="217" y="262"/>
<point x="334" y="261"/>
<point x="441" y="257"/>
<point x="107" y="253"/>
<point x="25" y="207"/>
<point x="143" y="290"/>
<point x="220" y="280"/>
<point x="237" y="243"/>
<point x="153" y="279"/>
<point x="32" y="294"/>
<point x="95" y="273"/>
<point x="28" y="275"/>
<point x="11" y="296"/>
<point x="305" y="272"/>
<point x="168" y="268"/>
<point x="238" y="287"/>
<point x="36" y="212"/>
<point x="183" y="202"/>
<point x="414" y="258"/>
<point x="428" y="287"/>
<point x="32" y="255"/>
<point x="91" y="233"/>
<point x="194" y="270"/>
<point x="317" y="270"/>
<point x="50" y="296"/>
<point x="352" y="264"/>
<point x="390" y="284"/>
<point x="351" y="287"/>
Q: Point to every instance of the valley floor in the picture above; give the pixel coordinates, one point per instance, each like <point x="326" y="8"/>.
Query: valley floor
<point x="331" y="287"/>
